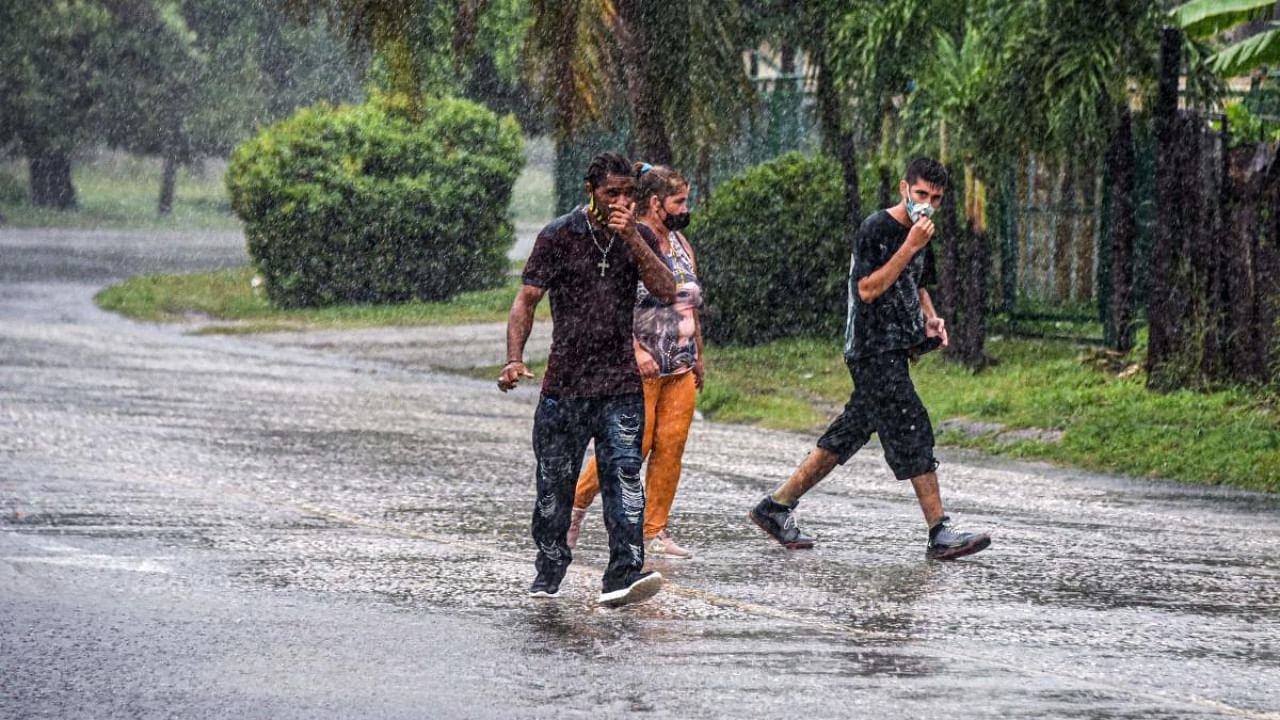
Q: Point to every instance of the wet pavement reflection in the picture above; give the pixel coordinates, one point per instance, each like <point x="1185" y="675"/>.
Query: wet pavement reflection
<point x="229" y="525"/>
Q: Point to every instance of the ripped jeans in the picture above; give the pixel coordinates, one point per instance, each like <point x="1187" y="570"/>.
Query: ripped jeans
<point x="562" y="427"/>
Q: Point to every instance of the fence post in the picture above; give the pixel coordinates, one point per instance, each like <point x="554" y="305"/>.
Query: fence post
<point x="1009" y="244"/>
<point x="1162" y="312"/>
<point x="1122" y="228"/>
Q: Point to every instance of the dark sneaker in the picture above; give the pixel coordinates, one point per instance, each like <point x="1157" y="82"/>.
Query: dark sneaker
<point x="640" y="586"/>
<point x="947" y="543"/>
<point x="546" y="585"/>
<point x="780" y="522"/>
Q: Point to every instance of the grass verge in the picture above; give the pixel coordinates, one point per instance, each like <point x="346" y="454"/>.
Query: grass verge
<point x="229" y="300"/>
<point x="1108" y="423"/>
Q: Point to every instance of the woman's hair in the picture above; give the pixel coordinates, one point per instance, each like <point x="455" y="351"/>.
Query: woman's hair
<point x="604" y="165"/>
<point x="655" y="180"/>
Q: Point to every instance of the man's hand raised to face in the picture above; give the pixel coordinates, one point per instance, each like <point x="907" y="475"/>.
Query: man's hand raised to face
<point x="921" y="233"/>
<point x="622" y="219"/>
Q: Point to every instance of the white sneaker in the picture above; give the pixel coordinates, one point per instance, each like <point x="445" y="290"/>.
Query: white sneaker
<point x="640" y="586"/>
<point x="663" y="546"/>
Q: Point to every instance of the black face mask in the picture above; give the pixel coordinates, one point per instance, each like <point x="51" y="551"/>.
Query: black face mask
<point x="677" y="222"/>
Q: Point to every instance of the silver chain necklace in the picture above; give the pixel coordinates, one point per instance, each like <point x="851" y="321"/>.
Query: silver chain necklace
<point x="604" y="251"/>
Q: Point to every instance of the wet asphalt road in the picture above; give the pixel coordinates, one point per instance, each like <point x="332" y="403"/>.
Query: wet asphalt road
<point x="235" y="527"/>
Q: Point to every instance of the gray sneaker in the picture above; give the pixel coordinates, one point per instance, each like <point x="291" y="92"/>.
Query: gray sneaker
<point x="947" y="543"/>
<point x="779" y="521"/>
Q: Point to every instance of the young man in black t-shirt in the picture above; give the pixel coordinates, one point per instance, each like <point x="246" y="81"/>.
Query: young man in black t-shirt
<point x="589" y="262"/>
<point x="890" y="320"/>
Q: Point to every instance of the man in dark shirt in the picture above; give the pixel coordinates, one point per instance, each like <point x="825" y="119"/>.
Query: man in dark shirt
<point x="589" y="262"/>
<point x="890" y="321"/>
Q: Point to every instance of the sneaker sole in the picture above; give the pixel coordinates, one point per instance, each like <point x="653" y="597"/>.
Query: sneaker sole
<point x="544" y="595"/>
<point x="642" y="589"/>
<point x="788" y="545"/>
<point x="980" y="543"/>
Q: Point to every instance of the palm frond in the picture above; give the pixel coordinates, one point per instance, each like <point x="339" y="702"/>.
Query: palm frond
<point x="1261" y="49"/>
<point x="1205" y="18"/>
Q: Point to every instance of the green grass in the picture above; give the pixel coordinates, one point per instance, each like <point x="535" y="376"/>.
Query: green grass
<point x="1110" y="423"/>
<point x="118" y="191"/>
<point x="228" y="298"/>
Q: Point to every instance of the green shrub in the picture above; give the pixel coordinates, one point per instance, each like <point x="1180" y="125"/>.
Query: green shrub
<point x="772" y="253"/>
<point x="378" y="203"/>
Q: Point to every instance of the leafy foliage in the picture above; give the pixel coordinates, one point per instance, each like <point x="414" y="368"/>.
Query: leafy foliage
<point x="771" y="252"/>
<point x="52" y="67"/>
<point x="376" y="203"/>
<point x="1207" y="18"/>
<point x="1204" y="18"/>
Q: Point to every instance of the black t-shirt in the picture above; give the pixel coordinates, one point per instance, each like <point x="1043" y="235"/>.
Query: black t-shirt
<point x="591" y="312"/>
<point x="893" y="321"/>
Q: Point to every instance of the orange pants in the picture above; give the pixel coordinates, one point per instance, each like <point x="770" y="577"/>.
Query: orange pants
<point x="668" y="413"/>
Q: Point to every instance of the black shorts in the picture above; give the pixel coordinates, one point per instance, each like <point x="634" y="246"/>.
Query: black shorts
<point x="884" y="401"/>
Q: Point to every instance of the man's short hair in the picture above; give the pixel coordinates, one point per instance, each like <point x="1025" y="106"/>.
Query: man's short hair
<point x="606" y="164"/>
<point x="928" y="170"/>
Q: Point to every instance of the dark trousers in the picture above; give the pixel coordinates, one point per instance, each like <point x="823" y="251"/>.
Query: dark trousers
<point x="884" y="401"/>
<point x="562" y="427"/>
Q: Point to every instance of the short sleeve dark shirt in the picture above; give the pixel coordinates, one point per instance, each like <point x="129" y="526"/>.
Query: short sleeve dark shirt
<point x="895" y="320"/>
<point x="591" y="315"/>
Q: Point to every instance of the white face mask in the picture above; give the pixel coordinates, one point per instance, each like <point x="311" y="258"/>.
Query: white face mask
<point x="915" y="211"/>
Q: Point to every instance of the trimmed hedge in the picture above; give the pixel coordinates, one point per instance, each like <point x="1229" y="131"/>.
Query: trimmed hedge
<point x="378" y="203"/>
<point x="772" y="253"/>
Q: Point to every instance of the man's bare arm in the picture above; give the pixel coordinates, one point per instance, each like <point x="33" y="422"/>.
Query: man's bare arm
<point x="875" y="284"/>
<point x="519" y="325"/>
<point x="654" y="273"/>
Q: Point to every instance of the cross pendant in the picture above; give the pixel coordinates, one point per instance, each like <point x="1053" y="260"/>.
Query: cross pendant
<point x="603" y="265"/>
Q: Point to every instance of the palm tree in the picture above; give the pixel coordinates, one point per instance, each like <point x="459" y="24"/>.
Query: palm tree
<point x="1205" y="19"/>
<point x="682" y="85"/>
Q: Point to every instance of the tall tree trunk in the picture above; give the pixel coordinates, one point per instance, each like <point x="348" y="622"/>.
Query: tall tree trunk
<point x="1267" y="274"/>
<point x="1207" y="261"/>
<point x="171" y="148"/>
<point x="886" y="187"/>
<point x="1163" y="312"/>
<point x="1064" y="235"/>
<point x="974" y="263"/>
<point x="643" y="92"/>
<point x="1124" y="234"/>
<point x="1086" y="231"/>
<point x="51" y="179"/>
<point x="839" y="143"/>
<point x="950" y="234"/>
<point x="1245" y="272"/>
<point x="168" y="179"/>
<point x="563" y="113"/>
